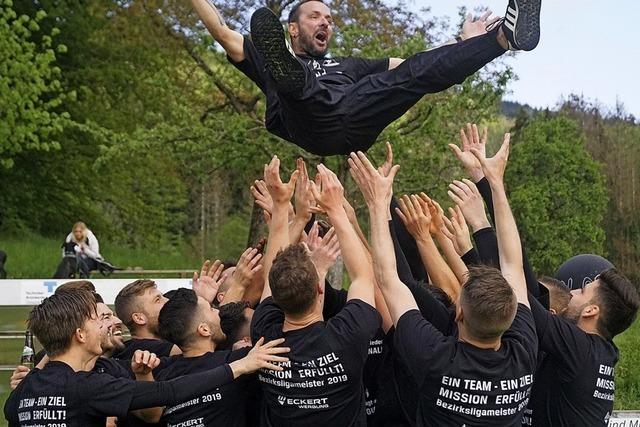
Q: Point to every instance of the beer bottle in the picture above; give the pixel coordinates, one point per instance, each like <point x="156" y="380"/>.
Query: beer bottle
<point x="28" y="354"/>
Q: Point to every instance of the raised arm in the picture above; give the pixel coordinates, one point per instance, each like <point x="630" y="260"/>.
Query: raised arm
<point x="303" y="203"/>
<point x="330" y="198"/>
<point x="509" y="245"/>
<point x="415" y="215"/>
<point x="377" y="189"/>
<point x="231" y="41"/>
<point x="243" y="278"/>
<point x="279" y="227"/>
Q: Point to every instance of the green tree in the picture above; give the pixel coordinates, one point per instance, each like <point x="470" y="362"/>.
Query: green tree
<point x="557" y="191"/>
<point x="30" y="89"/>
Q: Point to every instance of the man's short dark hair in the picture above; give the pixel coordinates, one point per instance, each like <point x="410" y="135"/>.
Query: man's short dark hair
<point x="489" y="304"/>
<point x="232" y="319"/>
<point x="55" y="320"/>
<point x="176" y="321"/>
<point x="126" y="302"/>
<point x="559" y="293"/>
<point x="293" y="279"/>
<point x="618" y="300"/>
<point x="80" y="284"/>
<point x="294" y="14"/>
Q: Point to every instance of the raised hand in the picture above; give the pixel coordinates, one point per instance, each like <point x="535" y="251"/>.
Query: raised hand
<point x="324" y="250"/>
<point x="414" y="213"/>
<point x="466" y="196"/>
<point x="304" y="200"/>
<point x="261" y="356"/>
<point x="471" y="139"/>
<point x="247" y="267"/>
<point x="280" y="192"/>
<point x="437" y="215"/>
<point x="472" y="27"/>
<point x="457" y="231"/>
<point x="388" y="162"/>
<point x="206" y="284"/>
<point x="376" y="186"/>
<point x="143" y="362"/>
<point x="331" y="193"/>
<point x="493" y="167"/>
<point x="261" y="195"/>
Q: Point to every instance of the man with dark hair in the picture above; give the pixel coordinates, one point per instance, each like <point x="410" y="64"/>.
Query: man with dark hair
<point x="487" y="370"/>
<point x="191" y="323"/>
<point x="576" y="381"/>
<point x="65" y="392"/>
<point x="235" y="322"/>
<point x="322" y="383"/>
<point x="138" y="305"/>
<point x="330" y="105"/>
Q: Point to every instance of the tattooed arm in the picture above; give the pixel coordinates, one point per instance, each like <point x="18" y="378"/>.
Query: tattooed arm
<point x="232" y="41"/>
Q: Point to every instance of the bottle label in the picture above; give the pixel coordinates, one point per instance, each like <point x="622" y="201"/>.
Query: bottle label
<point x="27" y="351"/>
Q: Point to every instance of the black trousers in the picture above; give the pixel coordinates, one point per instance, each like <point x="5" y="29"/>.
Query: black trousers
<point x="329" y="119"/>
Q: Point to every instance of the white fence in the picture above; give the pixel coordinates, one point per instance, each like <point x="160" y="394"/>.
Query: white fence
<point x="33" y="291"/>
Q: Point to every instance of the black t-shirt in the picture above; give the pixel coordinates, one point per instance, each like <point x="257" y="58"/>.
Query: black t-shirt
<point x="58" y="396"/>
<point x="161" y="348"/>
<point x="322" y="382"/>
<point x="335" y="74"/>
<point x="461" y="384"/>
<point x="388" y="390"/>
<point x="575" y="380"/>
<point x="224" y="406"/>
<point x="377" y="375"/>
<point x="120" y="368"/>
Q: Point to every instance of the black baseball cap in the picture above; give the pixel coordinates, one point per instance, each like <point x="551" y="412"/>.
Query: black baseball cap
<point x="576" y="272"/>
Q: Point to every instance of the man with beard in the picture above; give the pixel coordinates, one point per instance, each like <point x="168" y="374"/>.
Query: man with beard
<point x="138" y="305"/>
<point x="575" y="381"/>
<point x="65" y="392"/>
<point x="112" y="341"/>
<point x="195" y="326"/>
<point x="487" y="369"/>
<point x="332" y="105"/>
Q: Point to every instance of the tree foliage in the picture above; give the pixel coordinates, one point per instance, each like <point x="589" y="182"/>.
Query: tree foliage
<point x="557" y="190"/>
<point x="30" y="89"/>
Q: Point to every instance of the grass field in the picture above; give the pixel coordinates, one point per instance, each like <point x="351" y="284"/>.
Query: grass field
<point x="36" y="257"/>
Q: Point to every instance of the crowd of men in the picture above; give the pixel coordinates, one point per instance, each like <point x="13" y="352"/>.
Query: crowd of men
<point x="432" y="331"/>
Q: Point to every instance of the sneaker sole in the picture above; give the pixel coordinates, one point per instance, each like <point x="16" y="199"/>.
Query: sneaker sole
<point x="269" y="39"/>
<point x="527" y="28"/>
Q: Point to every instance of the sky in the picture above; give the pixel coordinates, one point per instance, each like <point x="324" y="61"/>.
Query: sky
<point x="588" y="47"/>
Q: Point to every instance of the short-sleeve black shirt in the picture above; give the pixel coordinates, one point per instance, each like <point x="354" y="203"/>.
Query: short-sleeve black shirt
<point x="461" y="384"/>
<point x="224" y="406"/>
<point x="575" y="380"/>
<point x="322" y="382"/>
<point x="59" y="396"/>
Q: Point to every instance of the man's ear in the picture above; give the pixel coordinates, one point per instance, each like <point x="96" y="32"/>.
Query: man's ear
<point x="552" y="311"/>
<point x="204" y="330"/>
<point x="294" y="30"/>
<point x="220" y="297"/>
<point x="590" y="311"/>
<point x="139" y="319"/>
<point x="80" y="335"/>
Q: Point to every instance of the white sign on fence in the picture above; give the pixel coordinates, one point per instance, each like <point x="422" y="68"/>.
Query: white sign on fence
<point x="32" y="292"/>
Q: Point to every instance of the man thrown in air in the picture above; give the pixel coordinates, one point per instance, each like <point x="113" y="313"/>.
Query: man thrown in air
<point x="334" y="106"/>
